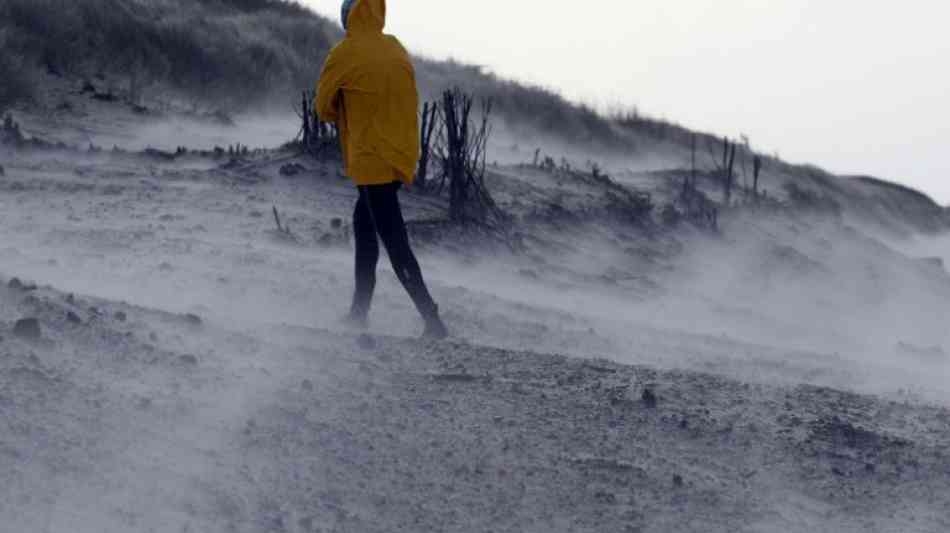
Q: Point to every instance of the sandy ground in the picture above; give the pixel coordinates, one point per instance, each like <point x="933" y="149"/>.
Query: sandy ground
<point x="190" y="375"/>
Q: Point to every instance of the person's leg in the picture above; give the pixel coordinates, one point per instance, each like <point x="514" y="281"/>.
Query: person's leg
<point x="367" y="256"/>
<point x="391" y="227"/>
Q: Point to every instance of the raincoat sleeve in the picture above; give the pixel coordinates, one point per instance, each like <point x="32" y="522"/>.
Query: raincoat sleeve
<point x="327" y="102"/>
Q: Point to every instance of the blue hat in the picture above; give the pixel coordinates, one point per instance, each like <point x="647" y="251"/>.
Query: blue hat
<point x="345" y="12"/>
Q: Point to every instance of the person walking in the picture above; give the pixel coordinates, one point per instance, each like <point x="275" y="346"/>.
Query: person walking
<point x="368" y="88"/>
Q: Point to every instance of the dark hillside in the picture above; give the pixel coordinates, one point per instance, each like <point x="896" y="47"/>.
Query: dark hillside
<point x="15" y="85"/>
<point x="235" y="53"/>
<point x="903" y="203"/>
<point x="527" y="108"/>
<point x="226" y="51"/>
<point x="875" y="183"/>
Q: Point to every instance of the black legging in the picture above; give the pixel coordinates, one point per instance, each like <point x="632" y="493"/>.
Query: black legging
<point x="378" y="212"/>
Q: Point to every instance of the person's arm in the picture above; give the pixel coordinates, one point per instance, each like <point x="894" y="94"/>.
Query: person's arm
<point x="416" y="148"/>
<point x="327" y="102"/>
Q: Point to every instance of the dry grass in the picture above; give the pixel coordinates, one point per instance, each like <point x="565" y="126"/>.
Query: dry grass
<point x="15" y="84"/>
<point x="228" y="51"/>
<point x="527" y="108"/>
<point x="239" y="52"/>
<point x="236" y="53"/>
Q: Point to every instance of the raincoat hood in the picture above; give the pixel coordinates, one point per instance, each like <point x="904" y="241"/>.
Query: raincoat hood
<point x="364" y="16"/>
<point x="368" y="88"/>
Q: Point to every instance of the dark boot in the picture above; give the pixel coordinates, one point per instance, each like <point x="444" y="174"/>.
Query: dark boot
<point x="435" y="328"/>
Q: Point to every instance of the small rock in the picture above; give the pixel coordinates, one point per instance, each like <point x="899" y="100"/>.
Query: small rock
<point x="935" y="262"/>
<point x="121" y="316"/>
<point x="837" y="471"/>
<point x="455" y="378"/>
<point x="528" y="273"/>
<point x="2" y="172"/>
<point x="307" y="385"/>
<point x="649" y="399"/>
<point x="153" y="337"/>
<point x="193" y="319"/>
<point x="306" y="524"/>
<point x="366" y="342"/>
<point x="292" y="169"/>
<point x="71" y="299"/>
<point x="166" y="267"/>
<point x="73" y="318"/>
<point x="18" y="285"/>
<point x="188" y="359"/>
<point x="28" y="329"/>
<point x="684" y="424"/>
<point x="677" y="480"/>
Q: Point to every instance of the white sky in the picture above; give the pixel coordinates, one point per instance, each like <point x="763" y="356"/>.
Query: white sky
<point x="854" y="86"/>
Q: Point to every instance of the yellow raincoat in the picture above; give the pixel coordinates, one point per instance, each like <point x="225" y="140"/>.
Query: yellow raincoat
<point x="368" y="87"/>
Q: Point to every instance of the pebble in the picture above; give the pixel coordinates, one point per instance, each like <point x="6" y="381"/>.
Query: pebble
<point x="649" y="399"/>
<point x="28" y="328"/>
<point x="18" y="285"/>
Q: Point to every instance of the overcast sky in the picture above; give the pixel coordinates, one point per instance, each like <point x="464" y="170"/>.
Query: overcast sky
<point x="858" y="87"/>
